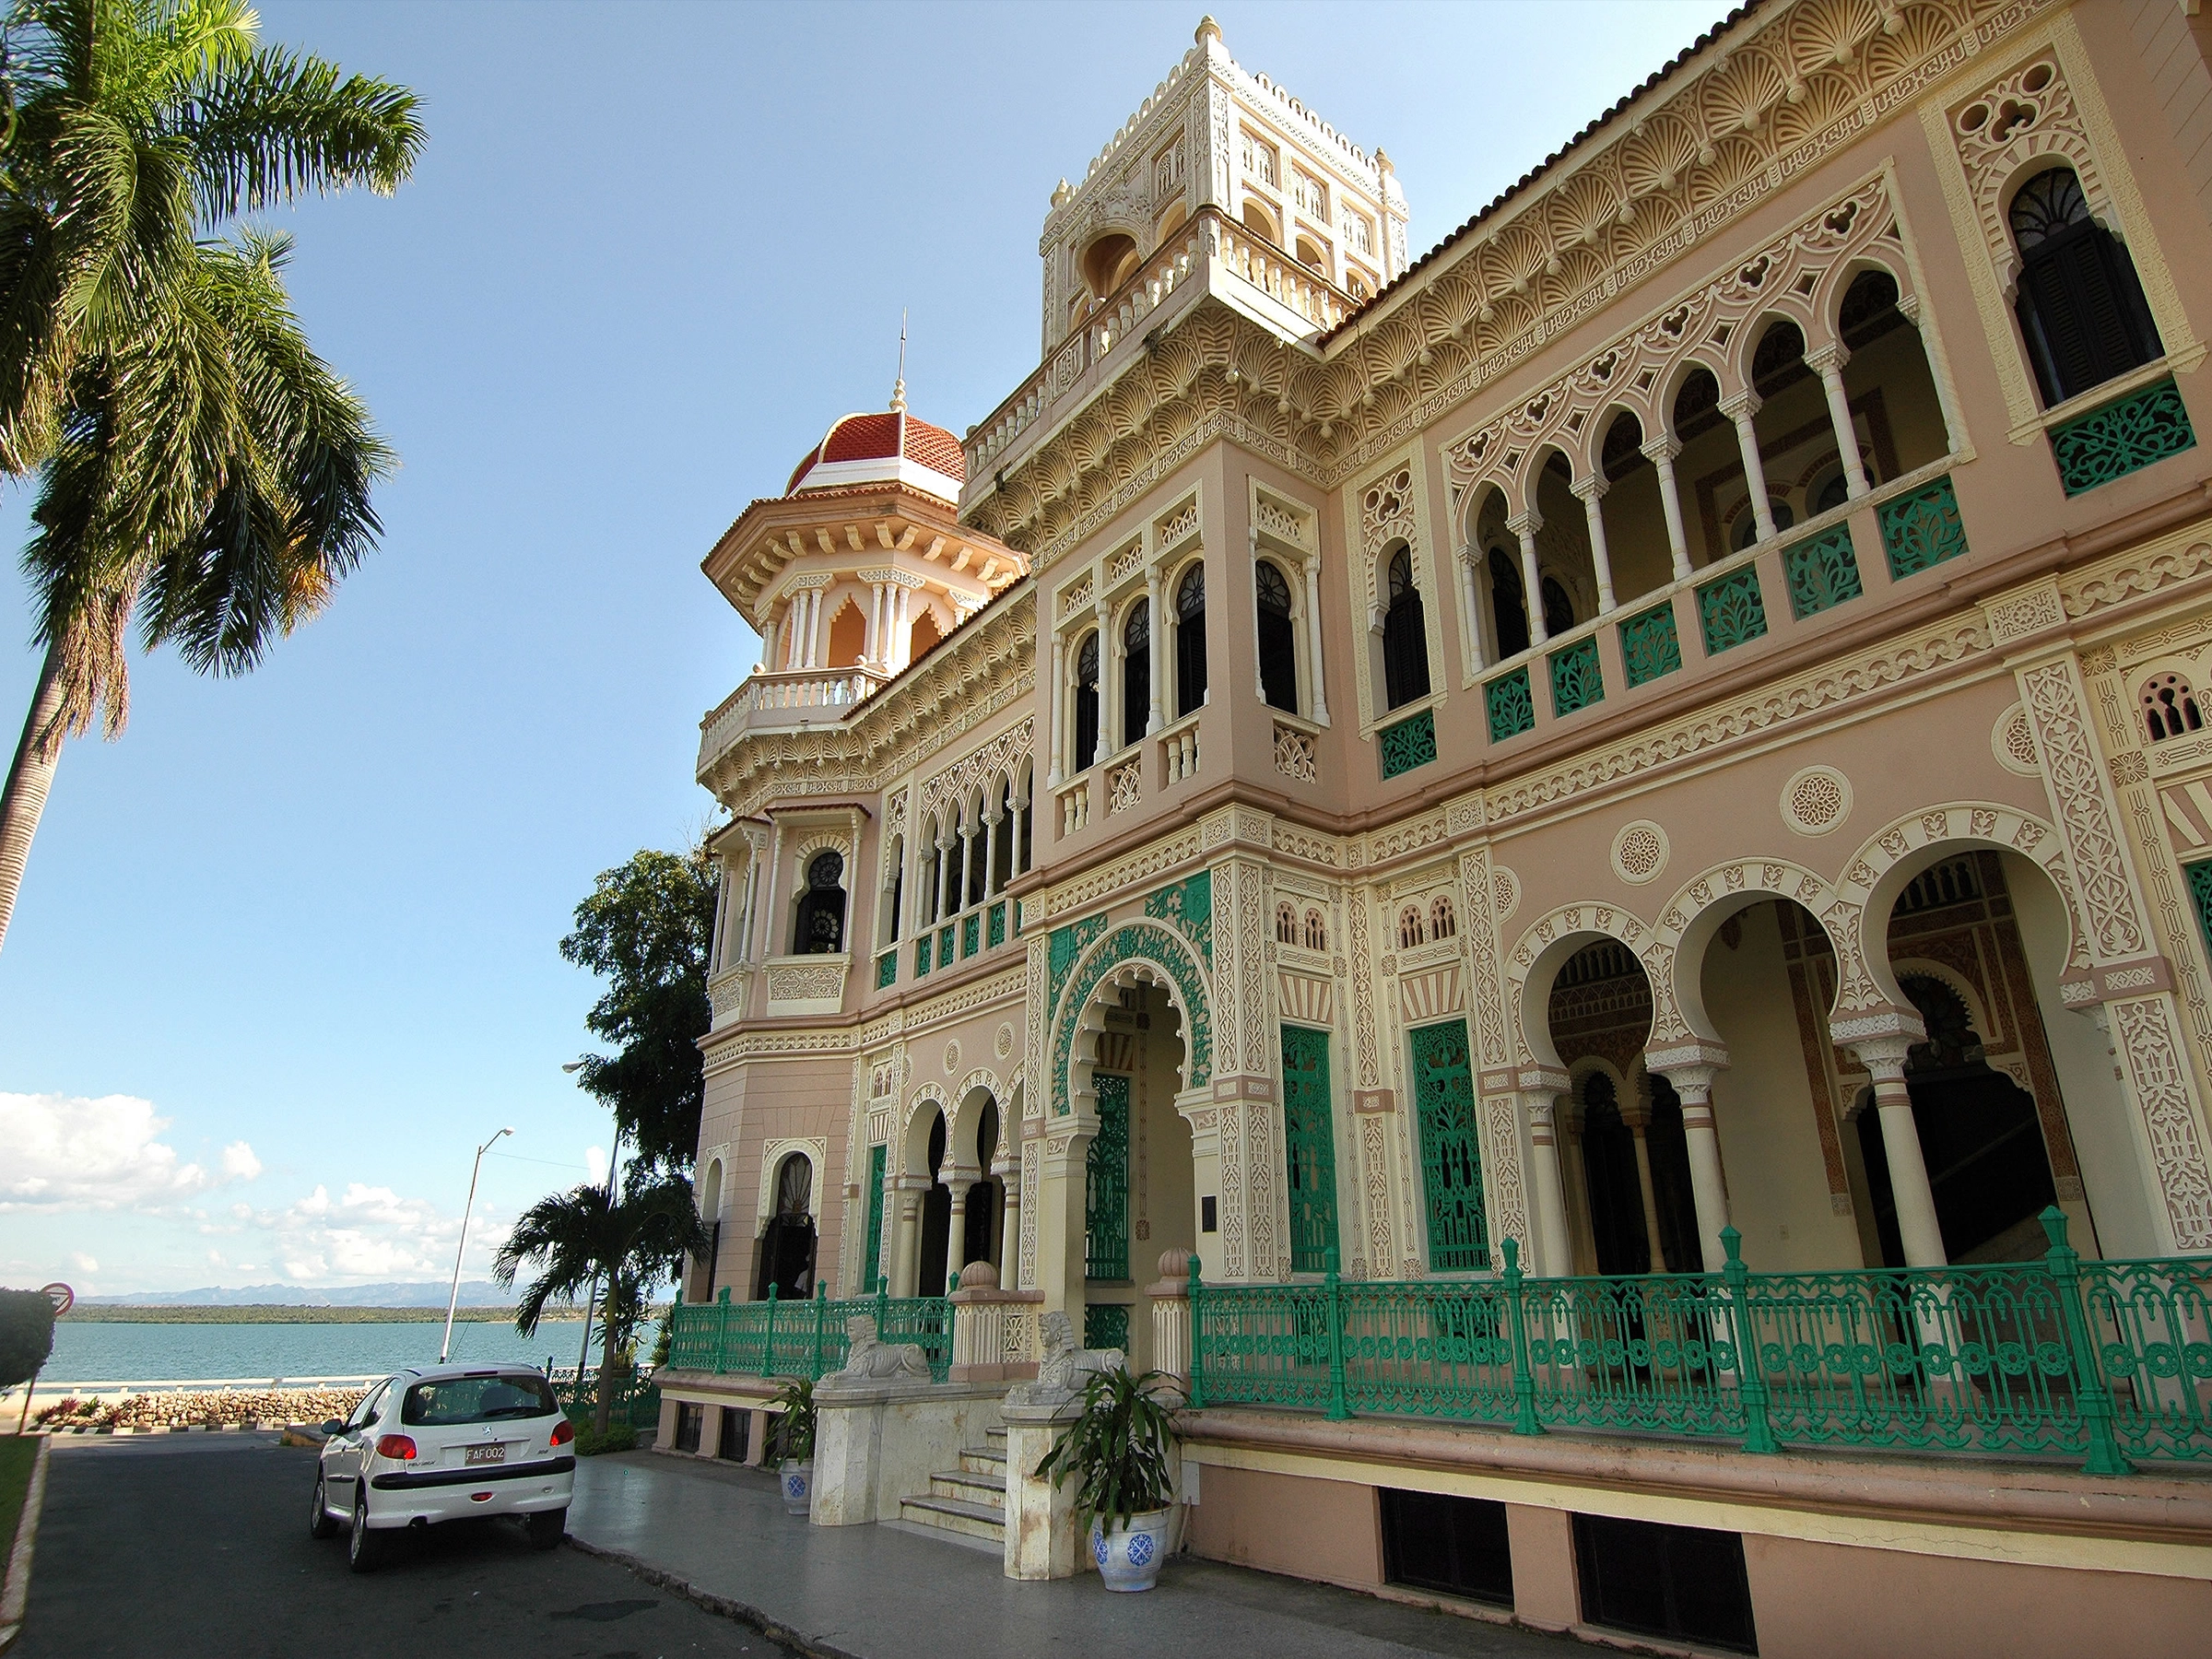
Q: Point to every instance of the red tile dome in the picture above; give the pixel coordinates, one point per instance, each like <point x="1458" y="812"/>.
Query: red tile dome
<point x="872" y="449"/>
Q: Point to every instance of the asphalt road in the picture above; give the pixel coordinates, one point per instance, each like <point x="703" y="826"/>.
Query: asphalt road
<point x="195" y="1546"/>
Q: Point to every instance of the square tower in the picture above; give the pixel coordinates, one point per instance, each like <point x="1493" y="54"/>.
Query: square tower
<point x="1213" y="135"/>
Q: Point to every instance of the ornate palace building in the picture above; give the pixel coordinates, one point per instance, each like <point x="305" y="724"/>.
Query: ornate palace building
<point x="1610" y="824"/>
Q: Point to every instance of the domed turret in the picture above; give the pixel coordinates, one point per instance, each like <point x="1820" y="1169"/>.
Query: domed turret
<point x="893" y="446"/>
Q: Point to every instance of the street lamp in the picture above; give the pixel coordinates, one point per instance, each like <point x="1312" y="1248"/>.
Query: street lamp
<point x="453" y="1300"/>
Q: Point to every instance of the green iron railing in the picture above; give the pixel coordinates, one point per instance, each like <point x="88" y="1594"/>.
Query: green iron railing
<point x="1576" y="681"/>
<point x="774" y="1338"/>
<point x="1508" y="705"/>
<point x="2102" y="1363"/>
<point x="2122" y="437"/>
<point x="1648" y="645"/>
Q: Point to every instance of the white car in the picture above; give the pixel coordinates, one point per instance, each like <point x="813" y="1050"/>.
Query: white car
<point x="441" y="1442"/>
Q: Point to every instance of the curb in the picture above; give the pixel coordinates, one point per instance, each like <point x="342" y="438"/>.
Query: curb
<point x="16" y="1593"/>
<point x="743" y="1612"/>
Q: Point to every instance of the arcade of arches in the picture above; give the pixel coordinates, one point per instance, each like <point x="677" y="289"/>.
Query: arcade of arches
<point x="1976" y="943"/>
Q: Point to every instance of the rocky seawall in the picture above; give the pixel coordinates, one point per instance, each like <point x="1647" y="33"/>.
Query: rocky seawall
<point x="188" y="1408"/>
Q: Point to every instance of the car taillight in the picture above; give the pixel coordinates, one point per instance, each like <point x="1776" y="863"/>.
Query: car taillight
<point x="396" y="1445"/>
<point x="563" y="1433"/>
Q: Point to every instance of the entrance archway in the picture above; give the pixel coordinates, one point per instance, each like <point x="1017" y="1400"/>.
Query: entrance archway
<point x="930" y="1269"/>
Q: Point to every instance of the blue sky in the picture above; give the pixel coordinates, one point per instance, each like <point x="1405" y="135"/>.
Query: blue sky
<point x="288" y="951"/>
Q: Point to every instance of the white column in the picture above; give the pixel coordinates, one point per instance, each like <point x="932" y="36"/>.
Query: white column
<point x="1470" y="589"/>
<point x="1154" y="675"/>
<point x="1526" y="526"/>
<point x="1554" y="1257"/>
<point x="1661" y="451"/>
<point x="1321" y="694"/>
<point x="1884" y="1059"/>
<point x="956" y="1235"/>
<point x="901" y="634"/>
<point x="793" y="610"/>
<point x="993" y="819"/>
<point x="1592" y="491"/>
<point x="1055" y="741"/>
<point x="1827" y="363"/>
<point x="1009" y="1238"/>
<point x="1709" y="1187"/>
<point x="950" y="839"/>
<point x="1740" y="409"/>
<point x="874" y="650"/>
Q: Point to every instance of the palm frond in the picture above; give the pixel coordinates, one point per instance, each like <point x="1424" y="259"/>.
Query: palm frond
<point x="285" y="124"/>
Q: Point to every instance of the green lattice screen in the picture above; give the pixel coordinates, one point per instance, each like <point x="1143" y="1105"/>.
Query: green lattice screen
<point x="1649" y="647"/>
<point x="887" y="969"/>
<point x="2199" y="877"/>
<point x="1410" y="743"/>
<point x="1444" y="1096"/>
<point x="1576" y="679"/>
<point x="1507" y="702"/>
<point x="1106" y="1325"/>
<point x="1823" y="572"/>
<point x="1310" y="1141"/>
<point x="1922" y="530"/>
<point x="875" y="1262"/>
<point x="2122" y="437"/>
<point x="1106" y="1183"/>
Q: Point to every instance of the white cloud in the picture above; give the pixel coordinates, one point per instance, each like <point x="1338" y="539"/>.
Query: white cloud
<point x="83" y="1263"/>
<point x="595" y="1163"/>
<point x="372" y="1233"/>
<point x="73" y="1152"/>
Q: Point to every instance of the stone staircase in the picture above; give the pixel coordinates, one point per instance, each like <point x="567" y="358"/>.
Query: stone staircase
<point x="969" y="1500"/>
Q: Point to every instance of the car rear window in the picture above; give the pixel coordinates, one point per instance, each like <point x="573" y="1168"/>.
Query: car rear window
<point x="487" y="1399"/>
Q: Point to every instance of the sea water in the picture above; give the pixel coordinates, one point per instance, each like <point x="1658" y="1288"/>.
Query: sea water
<point x="117" y="1353"/>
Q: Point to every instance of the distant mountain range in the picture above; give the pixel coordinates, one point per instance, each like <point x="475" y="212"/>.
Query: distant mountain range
<point x="475" y="1293"/>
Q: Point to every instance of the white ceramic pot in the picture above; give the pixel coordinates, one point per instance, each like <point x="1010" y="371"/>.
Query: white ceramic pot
<point x="798" y="1486"/>
<point x="1129" y="1556"/>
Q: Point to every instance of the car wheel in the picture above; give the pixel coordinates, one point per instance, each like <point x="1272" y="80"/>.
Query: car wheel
<point x="364" y="1549"/>
<point x="321" y="1524"/>
<point x="547" y="1528"/>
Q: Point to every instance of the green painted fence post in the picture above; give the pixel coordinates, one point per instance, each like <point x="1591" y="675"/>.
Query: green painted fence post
<point x="767" y="1346"/>
<point x="1197" y="1344"/>
<point x="721" y="1332"/>
<point x="883" y="1306"/>
<point x="1338" y="1411"/>
<point x="1524" y="1377"/>
<point x="2064" y="1262"/>
<point x="821" y="1323"/>
<point x="1751" y="1381"/>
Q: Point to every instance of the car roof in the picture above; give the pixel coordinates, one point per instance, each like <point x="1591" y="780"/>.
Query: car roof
<point x="444" y="1373"/>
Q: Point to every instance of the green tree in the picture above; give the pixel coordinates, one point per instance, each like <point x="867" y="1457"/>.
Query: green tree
<point x="630" y="1243"/>
<point x="646" y="929"/>
<point x="200" y="469"/>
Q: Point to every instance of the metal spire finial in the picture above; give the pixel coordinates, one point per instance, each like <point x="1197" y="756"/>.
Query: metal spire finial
<point x="899" y="385"/>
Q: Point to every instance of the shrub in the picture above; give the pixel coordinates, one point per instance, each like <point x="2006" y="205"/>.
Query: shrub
<point x="26" y="1334"/>
<point x="620" y="1437"/>
<point x="792" y="1438"/>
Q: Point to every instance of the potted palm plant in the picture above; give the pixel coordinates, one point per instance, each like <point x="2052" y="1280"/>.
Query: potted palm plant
<point x="1120" y="1451"/>
<point x="791" y="1444"/>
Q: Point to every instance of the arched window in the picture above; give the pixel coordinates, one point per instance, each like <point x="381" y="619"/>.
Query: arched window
<point x="2081" y="311"/>
<point x="1409" y="927"/>
<point x="1404" y="635"/>
<point x="1087" y="703"/>
<point x="1190" y="641"/>
<point x="1317" y="931"/>
<point x="979" y="851"/>
<point x="787" y="1246"/>
<point x="1747" y="528"/>
<point x="1278" y="641"/>
<point x="2169" y="708"/>
<point x="1509" y="605"/>
<point x="1136" y="670"/>
<point x="1832" y="493"/>
<point x="1285" y="924"/>
<point x="1559" y="610"/>
<point x="1443" y="923"/>
<point x="821" y="924"/>
<point x="1027" y="802"/>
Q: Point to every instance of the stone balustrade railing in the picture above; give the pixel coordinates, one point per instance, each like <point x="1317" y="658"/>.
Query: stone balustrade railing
<point x="780" y="700"/>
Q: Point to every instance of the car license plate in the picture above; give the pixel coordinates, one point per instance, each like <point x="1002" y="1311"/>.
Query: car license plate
<point x="494" y="1453"/>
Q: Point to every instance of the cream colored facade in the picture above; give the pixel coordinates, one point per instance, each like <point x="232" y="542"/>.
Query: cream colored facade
<point x="1804" y="738"/>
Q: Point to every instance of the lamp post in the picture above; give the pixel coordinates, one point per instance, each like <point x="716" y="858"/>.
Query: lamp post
<point x="453" y="1300"/>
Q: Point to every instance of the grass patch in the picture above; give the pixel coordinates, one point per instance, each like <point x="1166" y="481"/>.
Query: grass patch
<point x="18" y="1453"/>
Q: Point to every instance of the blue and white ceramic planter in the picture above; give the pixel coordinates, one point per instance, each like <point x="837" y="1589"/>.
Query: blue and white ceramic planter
<point x="1129" y="1556"/>
<point x="798" y="1487"/>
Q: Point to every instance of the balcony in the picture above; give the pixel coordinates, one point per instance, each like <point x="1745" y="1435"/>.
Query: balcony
<point x="782" y="703"/>
<point x="1211" y="254"/>
<point x="2104" y="1364"/>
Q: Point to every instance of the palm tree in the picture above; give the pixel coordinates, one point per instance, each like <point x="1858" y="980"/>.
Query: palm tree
<point x="632" y="1242"/>
<point x="199" y="467"/>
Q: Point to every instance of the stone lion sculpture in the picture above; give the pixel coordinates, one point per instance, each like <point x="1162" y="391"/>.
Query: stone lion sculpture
<point x="1063" y="1369"/>
<point x="868" y="1357"/>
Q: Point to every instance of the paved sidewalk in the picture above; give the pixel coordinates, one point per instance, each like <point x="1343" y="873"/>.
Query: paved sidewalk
<point x="883" y="1592"/>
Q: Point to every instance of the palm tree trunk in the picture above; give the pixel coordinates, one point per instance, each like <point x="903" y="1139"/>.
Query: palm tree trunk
<point x="29" y="778"/>
<point x="607" y="1387"/>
